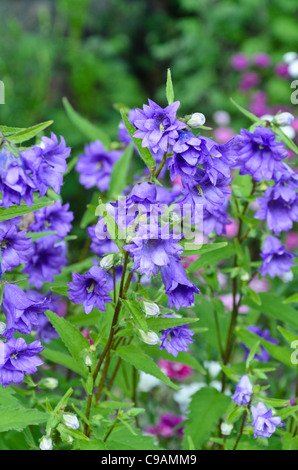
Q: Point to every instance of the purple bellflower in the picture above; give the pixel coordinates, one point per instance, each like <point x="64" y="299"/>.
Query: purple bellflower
<point x="91" y="289"/>
<point x="276" y="259"/>
<point x="18" y="358"/>
<point x="95" y="166"/>
<point x="259" y="154"/>
<point x="243" y="392"/>
<point x="176" y="339"/>
<point x="264" y="423"/>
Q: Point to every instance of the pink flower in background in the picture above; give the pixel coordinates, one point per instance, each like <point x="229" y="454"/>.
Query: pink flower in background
<point x="188" y="260"/>
<point x="223" y="134"/>
<point x="291" y="240"/>
<point x="239" y="61"/>
<point x="175" y="370"/>
<point x="295" y="124"/>
<point x="262" y="60"/>
<point x="232" y="229"/>
<point x="249" y="80"/>
<point x="165" y="428"/>
<point x="259" y="285"/>
<point x="227" y="300"/>
<point x="259" y="105"/>
<point x="281" y="70"/>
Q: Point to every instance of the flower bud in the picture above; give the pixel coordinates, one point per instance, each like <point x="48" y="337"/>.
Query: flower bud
<point x="2" y="327"/>
<point x="226" y="429"/>
<point x="71" y="421"/>
<point x="149" y="338"/>
<point x="151" y="309"/>
<point x="107" y="262"/>
<point x="50" y="383"/>
<point x="196" y="120"/>
<point x="284" y="119"/>
<point x="45" y="443"/>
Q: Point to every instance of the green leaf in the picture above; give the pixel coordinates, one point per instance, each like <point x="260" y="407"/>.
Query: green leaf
<point x="17" y="211"/>
<point x="134" y="308"/>
<point x="92" y="444"/>
<point x="159" y="323"/>
<point x="6" y="131"/>
<point x="205" y="248"/>
<point x="212" y="258"/>
<point x="274" y="306"/>
<point x="205" y="410"/>
<point x="19" y="418"/>
<point x="119" y="173"/>
<point x="290" y="442"/>
<point x="169" y="88"/>
<point x="278" y="352"/>
<point x="58" y="357"/>
<point x="26" y="134"/>
<point x="120" y="439"/>
<point x="254" y="296"/>
<point x="143" y="151"/>
<point x="37" y="235"/>
<point x="246" y="113"/>
<point x="292" y="299"/>
<point x="289" y="337"/>
<point x="137" y="358"/>
<point x="71" y="337"/>
<point x="88" y="129"/>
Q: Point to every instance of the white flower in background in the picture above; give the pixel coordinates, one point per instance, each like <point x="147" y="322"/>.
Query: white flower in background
<point x="71" y="421"/>
<point x="226" y="429"/>
<point x="217" y="385"/>
<point x="289" y="57"/>
<point x="221" y="118"/>
<point x="287" y="276"/>
<point x="197" y="120"/>
<point x="213" y="368"/>
<point x="46" y="443"/>
<point x="147" y="382"/>
<point x="289" y="131"/>
<point x="149" y="338"/>
<point x="151" y="309"/>
<point x="293" y="69"/>
<point x="183" y="396"/>
<point x="267" y="117"/>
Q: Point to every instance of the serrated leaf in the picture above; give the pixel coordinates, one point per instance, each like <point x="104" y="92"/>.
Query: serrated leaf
<point x="19" y="418"/>
<point x="26" y="134"/>
<point x="17" y="211"/>
<point x="159" y="323"/>
<point x="212" y="257"/>
<point x="205" y="410"/>
<point x="204" y="248"/>
<point x="286" y="140"/>
<point x="58" y="357"/>
<point x="88" y="129"/>
<point x="181" y="358"/>
<point x="137" y="358"/>
<point x="71" y="337"/>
